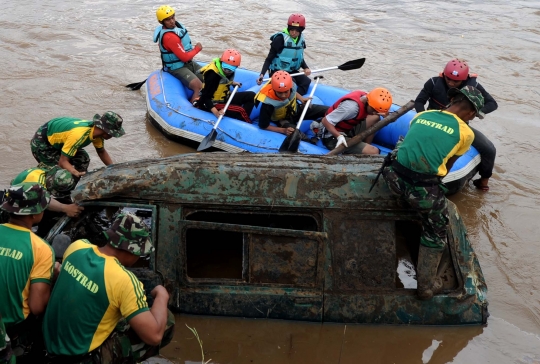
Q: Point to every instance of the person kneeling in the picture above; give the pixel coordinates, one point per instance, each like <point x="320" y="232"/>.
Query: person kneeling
<point x="98" y="310"/>
<point x="351" y="115"/>
<point x="218" y="77"/>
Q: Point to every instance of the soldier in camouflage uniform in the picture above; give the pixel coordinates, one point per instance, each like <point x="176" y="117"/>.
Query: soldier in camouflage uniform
<point x="108" y="320"/>
<point x="433" y="143"/>
<point x="26" y="268"/>
<point x="60" y="141"/>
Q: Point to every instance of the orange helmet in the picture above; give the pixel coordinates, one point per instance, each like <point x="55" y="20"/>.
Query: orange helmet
<point x="232" y="57"/>
<point x="281" y="81"/>
<point x="380" y="99"/>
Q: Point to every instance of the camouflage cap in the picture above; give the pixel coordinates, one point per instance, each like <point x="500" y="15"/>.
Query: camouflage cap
<point x="473" y="95"/>
<point x="26" y="199"/>
<point x="128" y="232"/>
<point x="110" y="123"/>
<point x="59" y="181"/>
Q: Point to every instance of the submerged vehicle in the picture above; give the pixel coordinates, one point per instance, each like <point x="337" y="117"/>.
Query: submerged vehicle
<point x="171" y="112"/>
<point x="284" y="236"/>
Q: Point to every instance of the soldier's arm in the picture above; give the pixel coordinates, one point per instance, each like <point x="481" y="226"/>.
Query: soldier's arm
<point x="38" y="297"/>
<point x="150" y="325"/>
<point x="104" y="156"/>
<point x="66" y="164"/>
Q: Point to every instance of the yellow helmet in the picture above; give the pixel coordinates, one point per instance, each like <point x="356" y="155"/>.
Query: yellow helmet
<point x="163" y="12"/>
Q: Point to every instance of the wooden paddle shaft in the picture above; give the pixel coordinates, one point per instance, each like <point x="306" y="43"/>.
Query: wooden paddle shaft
<point x="375" y="128"/>
<point x="226" y="106"/>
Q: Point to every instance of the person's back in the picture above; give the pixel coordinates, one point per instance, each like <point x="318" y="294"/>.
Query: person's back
<point x="24" y="258"/>
<point x="26" y="268"/>
<point x="97" y="305"/>
<point x="433" y="137"/>
<point x="101" y="290"/>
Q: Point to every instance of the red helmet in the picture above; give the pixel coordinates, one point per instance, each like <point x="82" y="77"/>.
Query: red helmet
<point x="231" y="57"/>
<point x="297" y="20"/>
<point x="281" y="81"/>
<point x="456" y="70"/>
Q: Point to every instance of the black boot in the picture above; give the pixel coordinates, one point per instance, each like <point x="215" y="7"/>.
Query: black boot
<point x="426" y="272"/>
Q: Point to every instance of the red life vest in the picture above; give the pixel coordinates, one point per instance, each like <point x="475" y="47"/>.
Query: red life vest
<point x="346" y="125"/>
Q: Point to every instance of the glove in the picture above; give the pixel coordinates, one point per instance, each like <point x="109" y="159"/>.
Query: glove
<point x="341" y="140"/>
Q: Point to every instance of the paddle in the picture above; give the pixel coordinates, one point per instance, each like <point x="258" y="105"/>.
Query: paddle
<point x="136" y="85"/>
<point x="208" y="141"/>
<point x="292" y="141"/>
<point x="347" y="66"/>
<point x="375" y="128"/>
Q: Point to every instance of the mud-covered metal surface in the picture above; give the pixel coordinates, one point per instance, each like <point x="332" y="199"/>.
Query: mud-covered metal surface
<point x="225" y="178"/>
<point x="288" y="236"/>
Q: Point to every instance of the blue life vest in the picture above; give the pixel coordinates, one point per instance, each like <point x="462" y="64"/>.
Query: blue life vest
<point x="169" y="59"/>
<point x="291" y="57"/>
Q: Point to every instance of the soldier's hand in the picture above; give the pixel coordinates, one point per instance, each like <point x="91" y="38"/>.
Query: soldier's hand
<point x="198" y="45"/>
<point x="73" y="210"/>
<point x="260" y="79"/>
<point x="78" y="174"/>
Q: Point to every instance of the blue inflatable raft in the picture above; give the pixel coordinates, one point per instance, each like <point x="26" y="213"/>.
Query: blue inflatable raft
<point x="171" y="112"/>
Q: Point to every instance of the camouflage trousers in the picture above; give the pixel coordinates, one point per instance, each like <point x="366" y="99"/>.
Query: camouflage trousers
<point x="428" y="200"/>
<point x="6" y="354"/>
<point x="46" y="154"/>
<point x="123" y="346"/>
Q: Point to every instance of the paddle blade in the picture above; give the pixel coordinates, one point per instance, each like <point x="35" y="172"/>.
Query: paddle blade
<point x="208" y="141"/>
<point x="291" y="142"/>
<point x="352" y="65"/>
<point x="136" y="85"/>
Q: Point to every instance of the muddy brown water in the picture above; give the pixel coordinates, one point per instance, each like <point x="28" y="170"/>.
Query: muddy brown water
<point x="73" y="58"/>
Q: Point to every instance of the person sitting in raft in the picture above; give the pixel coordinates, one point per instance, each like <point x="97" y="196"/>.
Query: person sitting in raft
<point x="351" y="115"/>
<point x="456" y="75"/>
<point x="176" y="50"/>
<point x="110" y="321"/>
<point x="279" y="105"/>
<point x="27" y="268"/>
<point x="218" y="77"/>
<point x="60" y="141"/>
<point x="414" y="173"/>
<point x="287" y="53"/>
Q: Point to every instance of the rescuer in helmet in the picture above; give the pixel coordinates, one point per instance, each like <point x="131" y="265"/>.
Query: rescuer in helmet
<point x="280" y="107"/>
<point x="177" y="52"/>
<point x="456" y="75"/>
<point x="218" y="77"/>
<point x="287" y="53"/>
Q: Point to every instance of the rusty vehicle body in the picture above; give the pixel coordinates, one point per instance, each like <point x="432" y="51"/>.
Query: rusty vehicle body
<point x="282" y="236"/>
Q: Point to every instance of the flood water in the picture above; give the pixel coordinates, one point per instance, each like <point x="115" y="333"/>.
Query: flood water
<point x="70" y="58"/>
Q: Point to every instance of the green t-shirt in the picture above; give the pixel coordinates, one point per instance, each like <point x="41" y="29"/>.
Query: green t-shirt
<point x="71" y="134"/>
<point x="24" y="259"/>
<point x="92" y="293"/>
<point x="433" y="138"/>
